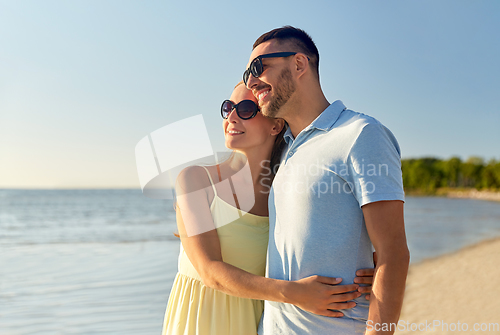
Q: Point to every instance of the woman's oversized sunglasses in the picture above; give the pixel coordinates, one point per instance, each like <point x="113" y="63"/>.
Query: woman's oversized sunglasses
<point x="256" y="68"/>
<point x="245" y="109"/>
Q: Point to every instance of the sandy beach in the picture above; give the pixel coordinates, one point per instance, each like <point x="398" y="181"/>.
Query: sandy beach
<point x="459" y="287"/>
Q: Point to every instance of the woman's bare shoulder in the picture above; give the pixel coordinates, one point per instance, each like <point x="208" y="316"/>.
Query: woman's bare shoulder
<point x="194" y="178"/>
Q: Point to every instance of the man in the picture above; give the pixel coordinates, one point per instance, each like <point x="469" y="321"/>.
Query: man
<point x="337" y="192"/>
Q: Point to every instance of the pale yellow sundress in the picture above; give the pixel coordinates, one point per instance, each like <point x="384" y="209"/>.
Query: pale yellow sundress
<point x="193" y="308"/>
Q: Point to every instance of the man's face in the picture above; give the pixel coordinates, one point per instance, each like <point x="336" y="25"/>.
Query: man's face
<point x="275" y="85"/>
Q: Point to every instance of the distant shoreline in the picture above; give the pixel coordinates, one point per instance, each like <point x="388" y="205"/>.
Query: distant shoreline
<point x="475" y="194"/>
<point x="460" y="193"/>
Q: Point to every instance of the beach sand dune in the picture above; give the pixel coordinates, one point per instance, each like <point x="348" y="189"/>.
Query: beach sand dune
<point x="460" y="287"/>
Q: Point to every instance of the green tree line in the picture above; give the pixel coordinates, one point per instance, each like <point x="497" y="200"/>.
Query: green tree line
<point x="427" y="175"/>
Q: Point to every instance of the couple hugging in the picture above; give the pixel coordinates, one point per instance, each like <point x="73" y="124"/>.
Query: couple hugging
<point x="295" y="254"/>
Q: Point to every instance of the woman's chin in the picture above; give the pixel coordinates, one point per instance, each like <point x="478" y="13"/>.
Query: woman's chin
<point x="232" y="143"/>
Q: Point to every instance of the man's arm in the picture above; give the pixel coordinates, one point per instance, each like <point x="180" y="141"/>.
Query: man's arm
<point x="385" y="224"/>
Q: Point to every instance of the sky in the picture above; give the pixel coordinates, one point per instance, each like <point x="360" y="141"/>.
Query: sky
<point x="82" y="82"/>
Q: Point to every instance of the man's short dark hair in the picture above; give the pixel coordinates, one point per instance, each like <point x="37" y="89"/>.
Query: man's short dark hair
<point x="297" y="37"/>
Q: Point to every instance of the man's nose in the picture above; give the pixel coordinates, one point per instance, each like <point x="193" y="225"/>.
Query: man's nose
<point x="252" y="81"/>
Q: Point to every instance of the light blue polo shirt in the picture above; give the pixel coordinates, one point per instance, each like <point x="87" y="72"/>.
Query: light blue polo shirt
<point x="340" y="162"/>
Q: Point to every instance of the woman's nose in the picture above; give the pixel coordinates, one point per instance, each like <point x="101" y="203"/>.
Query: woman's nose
<point x="233" y="116"/>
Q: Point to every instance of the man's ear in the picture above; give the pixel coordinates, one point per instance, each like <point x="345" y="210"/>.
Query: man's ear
<point x="278" y="126"/>
<point x="301" y="64"/>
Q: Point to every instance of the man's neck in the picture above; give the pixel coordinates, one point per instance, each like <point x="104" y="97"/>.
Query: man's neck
<point x="305" y="111"/>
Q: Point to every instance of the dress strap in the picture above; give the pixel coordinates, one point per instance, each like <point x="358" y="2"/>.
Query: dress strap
<point x="218" y="172"/>
<point x="211" y="181"/>
<point x="230" y="183"/>
<point x="232" y="189"/>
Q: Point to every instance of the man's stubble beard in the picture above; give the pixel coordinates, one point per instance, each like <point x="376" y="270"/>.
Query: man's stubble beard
<point x="282" y="93"/>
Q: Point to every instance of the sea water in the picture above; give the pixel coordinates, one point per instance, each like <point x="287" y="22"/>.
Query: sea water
<point x="103" y="261"/>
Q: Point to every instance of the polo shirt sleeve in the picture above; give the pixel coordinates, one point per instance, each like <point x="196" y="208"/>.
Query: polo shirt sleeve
<point x="375" y="165"/>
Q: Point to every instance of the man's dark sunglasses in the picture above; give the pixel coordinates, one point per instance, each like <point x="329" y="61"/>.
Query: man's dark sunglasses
<point x="256" y="68"/>
<point x="245" y="109"/>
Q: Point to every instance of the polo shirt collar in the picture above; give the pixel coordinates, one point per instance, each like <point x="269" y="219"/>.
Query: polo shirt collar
<point x="324" y="121"/>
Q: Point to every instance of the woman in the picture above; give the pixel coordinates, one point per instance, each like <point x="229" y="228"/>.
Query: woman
<point x="224" y="232"/>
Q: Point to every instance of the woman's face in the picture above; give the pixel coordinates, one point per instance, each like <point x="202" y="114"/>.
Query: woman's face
<point x="248" y="134"/>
